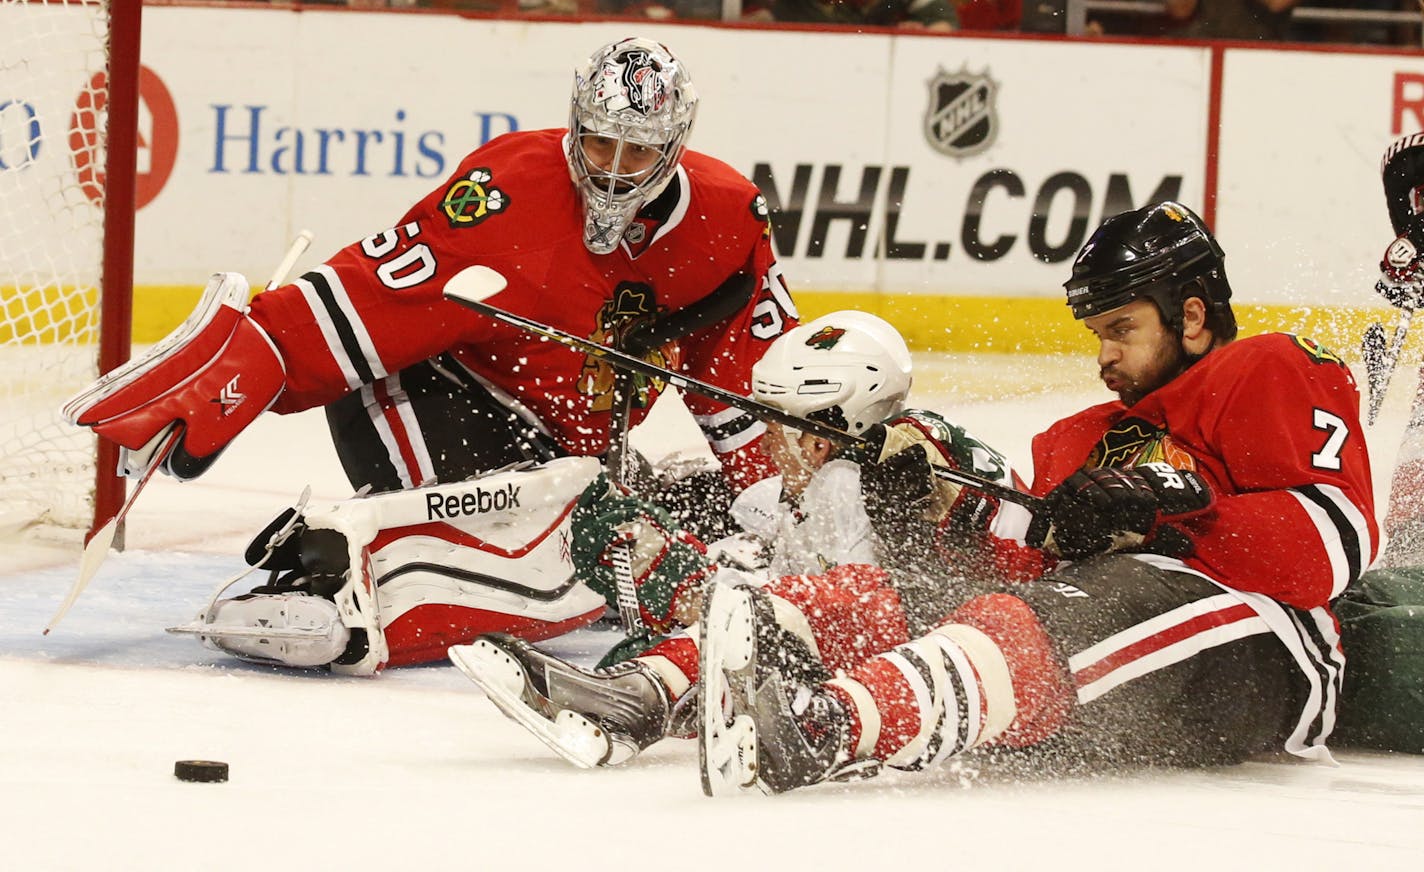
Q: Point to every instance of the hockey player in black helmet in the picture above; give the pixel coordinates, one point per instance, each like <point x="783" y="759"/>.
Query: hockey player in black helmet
<point x="1193" y="534"/>
<point x="1163" y="253"/>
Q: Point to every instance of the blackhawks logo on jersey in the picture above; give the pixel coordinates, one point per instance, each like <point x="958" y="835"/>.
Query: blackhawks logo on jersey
<point x="826" y="338"/>
<point x="1317" y="352"/>
<point x="473" y="199"/>
<point x="1133" y="442"/>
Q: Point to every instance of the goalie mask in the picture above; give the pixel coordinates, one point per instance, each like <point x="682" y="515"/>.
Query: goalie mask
<point x="846" y="369"/>
<point x="633" y="107"/>
<point x="1162" y="252"/>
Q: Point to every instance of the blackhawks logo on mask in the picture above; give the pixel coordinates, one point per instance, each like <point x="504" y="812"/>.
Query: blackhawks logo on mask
<point x="473" y="199"/>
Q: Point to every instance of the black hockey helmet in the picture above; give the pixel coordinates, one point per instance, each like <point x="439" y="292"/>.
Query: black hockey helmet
<point x="1162" y="252"/>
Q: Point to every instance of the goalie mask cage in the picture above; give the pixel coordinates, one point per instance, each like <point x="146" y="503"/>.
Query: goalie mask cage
<point x="68" y="131"/>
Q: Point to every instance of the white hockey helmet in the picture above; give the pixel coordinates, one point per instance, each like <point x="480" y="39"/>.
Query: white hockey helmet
<point x="847" y="369"/>
<point x="633" y="91"/>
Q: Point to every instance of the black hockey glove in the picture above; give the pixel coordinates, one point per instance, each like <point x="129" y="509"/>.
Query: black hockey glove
<point x="894" y="485"/>
<point x="1112" y="509"/>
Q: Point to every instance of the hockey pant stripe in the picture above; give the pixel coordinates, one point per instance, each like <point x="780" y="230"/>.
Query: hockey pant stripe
<point x="1342" y="529"/>
<point x="1317" y="629"/>
<point x="1162" y="641"/>
<point x="346" y="338"/>
<point x="394" y="420"/>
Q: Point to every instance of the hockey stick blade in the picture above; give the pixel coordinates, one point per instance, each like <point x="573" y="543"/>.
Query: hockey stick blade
<point x="474" y="284"/>
<point x="471" y="293"/>
<point x="97" y="548"/>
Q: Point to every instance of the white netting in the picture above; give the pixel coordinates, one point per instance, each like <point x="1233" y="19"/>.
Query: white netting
<point x="53" y="59"/>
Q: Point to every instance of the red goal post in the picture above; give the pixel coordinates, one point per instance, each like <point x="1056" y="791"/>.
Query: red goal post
<point x="68" y="160"/>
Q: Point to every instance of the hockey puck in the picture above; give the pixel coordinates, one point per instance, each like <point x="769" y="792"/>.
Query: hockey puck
<point x="200" y="770"/>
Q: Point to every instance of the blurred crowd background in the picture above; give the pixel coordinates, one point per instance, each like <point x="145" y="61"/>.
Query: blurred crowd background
<point x="1364" y="22"/>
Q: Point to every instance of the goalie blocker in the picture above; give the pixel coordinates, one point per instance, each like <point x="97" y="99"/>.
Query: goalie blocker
<point x="397" y="578"/>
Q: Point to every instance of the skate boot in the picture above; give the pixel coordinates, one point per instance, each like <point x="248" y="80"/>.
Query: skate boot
<point x="318" y="610"/>
<point x="290" y="627"/>
<point x="764" y="723"/>
<point x="602" y="717"/>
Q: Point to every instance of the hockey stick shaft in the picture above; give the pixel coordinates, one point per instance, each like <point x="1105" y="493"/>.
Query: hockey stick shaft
<point x="752" y="407"/>
<point x="296" y="250"/>
<point x="97" y="548"/>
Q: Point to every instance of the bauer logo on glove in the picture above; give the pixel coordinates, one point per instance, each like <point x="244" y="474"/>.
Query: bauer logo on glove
<point x="1111" y="509"/>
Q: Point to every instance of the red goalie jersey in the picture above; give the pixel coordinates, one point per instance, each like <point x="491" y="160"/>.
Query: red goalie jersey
<point x="1272" y="423"/>
<point x="376" y="307"/>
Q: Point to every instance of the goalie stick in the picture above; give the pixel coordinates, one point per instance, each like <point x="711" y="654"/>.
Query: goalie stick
<point x="97" y="548"/>
<point x="473" y="285"/>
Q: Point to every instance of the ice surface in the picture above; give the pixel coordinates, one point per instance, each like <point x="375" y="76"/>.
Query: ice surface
<point x="415" y="769"/>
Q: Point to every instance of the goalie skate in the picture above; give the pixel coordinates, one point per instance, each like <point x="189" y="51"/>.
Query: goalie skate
<point x="277" y="629"/>
<point x="591" y="719"/>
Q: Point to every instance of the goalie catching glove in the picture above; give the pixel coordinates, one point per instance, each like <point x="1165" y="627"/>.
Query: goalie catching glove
<point x="212" y="377"/>
<point x="1113" y="509"/>
<point x="668" y="563"/>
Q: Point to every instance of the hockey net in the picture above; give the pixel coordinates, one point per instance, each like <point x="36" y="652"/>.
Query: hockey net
<point x="65" y="256"/>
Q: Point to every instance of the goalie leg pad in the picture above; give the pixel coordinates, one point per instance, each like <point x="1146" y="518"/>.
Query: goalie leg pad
<point x="215" y="374"/>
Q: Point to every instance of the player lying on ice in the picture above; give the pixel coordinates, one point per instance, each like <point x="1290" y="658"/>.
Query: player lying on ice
<point x="611" y="229"/>
<point x="848" y="370"/>
<point x="1193" y="535"/>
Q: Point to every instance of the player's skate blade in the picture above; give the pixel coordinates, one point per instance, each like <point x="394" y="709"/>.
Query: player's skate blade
<point x="569" y="734"/>
<point x="726" y="745"/>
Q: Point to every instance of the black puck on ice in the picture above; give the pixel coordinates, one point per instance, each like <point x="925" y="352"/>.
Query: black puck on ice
<point x="200" y="770"/>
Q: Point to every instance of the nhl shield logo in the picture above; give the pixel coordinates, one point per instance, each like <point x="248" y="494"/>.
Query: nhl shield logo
<point x="960" y="119"/>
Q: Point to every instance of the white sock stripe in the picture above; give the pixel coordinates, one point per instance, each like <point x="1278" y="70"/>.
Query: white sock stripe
<point x="924" y="699"/>
<point x="794" y="621"/>
<point x="963" y="717"/>
<point x="676" y="681"/>
<point x="988" y="663"/>
<point x="865" y="708"/>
